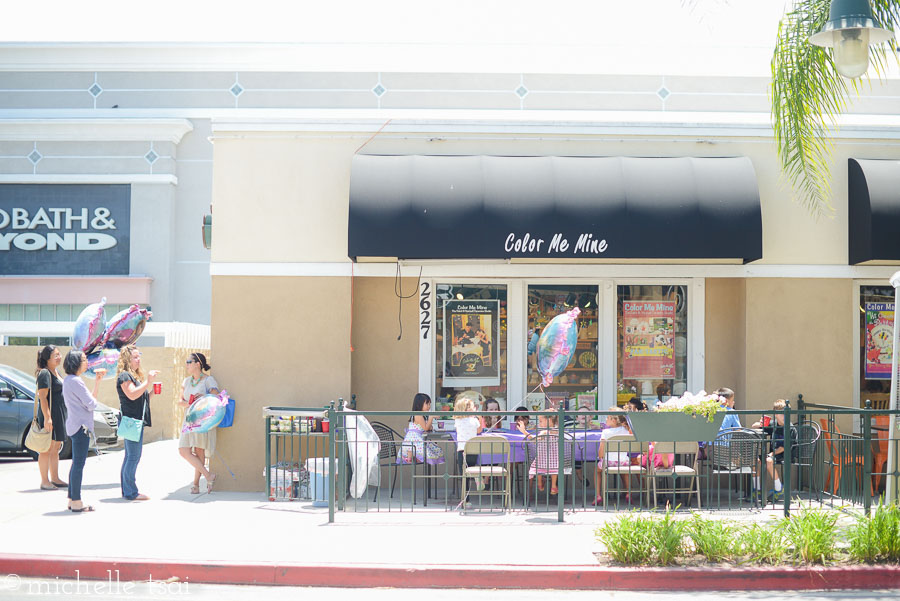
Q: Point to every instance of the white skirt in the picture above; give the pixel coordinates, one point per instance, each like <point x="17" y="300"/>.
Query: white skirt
<point x="201" y="440"/>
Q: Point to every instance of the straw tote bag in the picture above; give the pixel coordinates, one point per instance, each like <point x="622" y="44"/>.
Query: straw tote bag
<point x="38" y="441"/>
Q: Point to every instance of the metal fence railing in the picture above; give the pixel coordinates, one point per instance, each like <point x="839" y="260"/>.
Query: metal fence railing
<point x="562" y="461"/>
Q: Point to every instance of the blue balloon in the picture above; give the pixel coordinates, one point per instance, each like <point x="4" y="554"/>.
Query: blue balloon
<point x="205" y="413"/>
<point x="557" y="344"/>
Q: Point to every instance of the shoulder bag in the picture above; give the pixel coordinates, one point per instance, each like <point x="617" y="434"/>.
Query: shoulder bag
<point x="130" y="428"/>
<point x="37" y="440"/>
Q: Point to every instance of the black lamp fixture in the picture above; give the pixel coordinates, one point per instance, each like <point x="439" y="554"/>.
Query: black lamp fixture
<point x="570" y="299"/>
<point x="850" y="29"/>
<point x="586" y="301"/>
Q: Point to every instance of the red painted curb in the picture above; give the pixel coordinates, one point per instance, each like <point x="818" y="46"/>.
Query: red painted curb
<point x="586" y="577"/>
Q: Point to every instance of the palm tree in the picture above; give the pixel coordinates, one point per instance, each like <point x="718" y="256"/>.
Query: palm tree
<point x="808" y="95"/>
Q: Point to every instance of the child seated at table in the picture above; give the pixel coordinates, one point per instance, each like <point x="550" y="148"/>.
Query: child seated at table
<point x="775" y="457"/>
<point x="550" y="464"/>
<point x="616" y="425"/>
<point x="467" y="428"/>
<point x="491" y="422"/>
<point x="522" y="421"/>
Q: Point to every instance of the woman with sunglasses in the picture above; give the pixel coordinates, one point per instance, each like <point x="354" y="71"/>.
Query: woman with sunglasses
<point x="196" y="446"/>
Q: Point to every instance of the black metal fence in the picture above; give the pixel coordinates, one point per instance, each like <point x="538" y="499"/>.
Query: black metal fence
<point x="561" y="461"/>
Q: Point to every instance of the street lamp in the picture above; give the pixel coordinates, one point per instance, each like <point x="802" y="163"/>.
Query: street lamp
<point x="895" y="383"/>
<point x="850" y="29"/>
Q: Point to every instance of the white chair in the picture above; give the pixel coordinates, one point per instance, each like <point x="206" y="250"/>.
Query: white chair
<point x="490" y="445"/>
<point x="688" y="469"/>
<point x="624" y="444"/>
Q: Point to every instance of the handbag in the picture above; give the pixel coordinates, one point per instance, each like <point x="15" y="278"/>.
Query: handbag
<point x="37" y="440"/>
<point x="130" y="428"/>
<point x="228" y="420"/>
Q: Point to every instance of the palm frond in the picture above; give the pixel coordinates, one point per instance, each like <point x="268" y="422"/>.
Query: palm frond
<point x="808" y="94"/>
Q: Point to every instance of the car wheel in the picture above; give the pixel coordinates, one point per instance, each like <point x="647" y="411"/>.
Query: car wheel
<point x="65" y="450"/>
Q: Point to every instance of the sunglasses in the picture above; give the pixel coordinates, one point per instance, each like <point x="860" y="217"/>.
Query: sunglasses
<point x="189" y="361"/>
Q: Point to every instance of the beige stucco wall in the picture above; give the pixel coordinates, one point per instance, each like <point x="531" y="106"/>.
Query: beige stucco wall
<point x="725" y="330"/>
<point x="166" y="415"/>
<point x="385" y="370"/>
<point x="281" y="200"/>
<point x="799" y="340"/>
<point x="279" y="341"/>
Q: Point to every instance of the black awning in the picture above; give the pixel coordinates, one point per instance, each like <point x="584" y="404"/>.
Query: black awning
<point x="491" y="207"/>
<point x="873" y="205"/>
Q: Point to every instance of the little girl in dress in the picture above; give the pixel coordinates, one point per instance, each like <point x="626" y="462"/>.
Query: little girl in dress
<point x="546" y="425"/>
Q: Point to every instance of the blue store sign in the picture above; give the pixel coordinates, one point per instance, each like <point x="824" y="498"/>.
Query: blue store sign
<point x="66" y="229"/>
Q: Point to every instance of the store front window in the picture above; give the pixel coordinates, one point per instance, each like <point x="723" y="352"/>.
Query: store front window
<point x="652" y="329"/>
<point x="876" y="330"/>
<point x="470" y="349"/>
<point x="577" y="384"/>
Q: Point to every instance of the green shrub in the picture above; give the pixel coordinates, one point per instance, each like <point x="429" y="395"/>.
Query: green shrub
<point x="633" y="539"/>
<point x="876" y="537"/>
<point x="762" y="543"/>
<point x="627" y="539"/>
<point x="812" y="535"/>
<point x="668" y="538"/>
<point x="713" y="539"/>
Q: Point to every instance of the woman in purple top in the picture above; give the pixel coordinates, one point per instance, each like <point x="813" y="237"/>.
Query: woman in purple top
<point x="80" y="420"/>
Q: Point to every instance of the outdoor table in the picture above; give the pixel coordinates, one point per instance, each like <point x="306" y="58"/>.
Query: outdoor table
<point x="587" y="445"/>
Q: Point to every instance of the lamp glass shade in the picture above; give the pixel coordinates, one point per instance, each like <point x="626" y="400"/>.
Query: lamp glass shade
<point x="851" y="52"/>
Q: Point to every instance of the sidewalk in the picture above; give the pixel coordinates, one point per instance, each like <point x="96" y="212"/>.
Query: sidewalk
<point x="243" y="538"/>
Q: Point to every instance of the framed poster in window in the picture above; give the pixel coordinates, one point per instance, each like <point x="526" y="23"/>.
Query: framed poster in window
<point x="471" y="335"/>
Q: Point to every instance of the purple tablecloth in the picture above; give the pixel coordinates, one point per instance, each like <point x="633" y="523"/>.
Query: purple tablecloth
<point x="587" y="446"/>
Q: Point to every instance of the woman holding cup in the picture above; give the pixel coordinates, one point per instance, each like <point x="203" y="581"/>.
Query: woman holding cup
<point x="194" y="447"/>
<point x="134" y="399"/>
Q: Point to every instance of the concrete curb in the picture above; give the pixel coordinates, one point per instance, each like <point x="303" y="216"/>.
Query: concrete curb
<point x="576" y="577"/>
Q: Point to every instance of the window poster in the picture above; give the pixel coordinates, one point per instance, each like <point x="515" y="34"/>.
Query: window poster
<point x="471" y="338"/>
<point x="879" y="339"/>
<point x="648" y="340"/>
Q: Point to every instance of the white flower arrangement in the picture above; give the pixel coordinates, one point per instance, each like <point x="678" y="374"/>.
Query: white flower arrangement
<point x="692" y="404"/>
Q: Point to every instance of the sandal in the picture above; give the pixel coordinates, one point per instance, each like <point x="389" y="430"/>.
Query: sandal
<point x="597" y="501"/>
<point x="210" y="482"/>
<point x="82" y="509"/>
<point x="553" y="490"/>
<point x="195" y="489"/>
<point x="51" y="487"/>
<point x="60" y="484"/>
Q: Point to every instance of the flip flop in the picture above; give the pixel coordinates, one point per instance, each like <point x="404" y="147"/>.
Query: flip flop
<point x="209" y="483"/>
<point x="51" y="487"/>
<point x="82" y="509"/>
<point x="60" y="484"/>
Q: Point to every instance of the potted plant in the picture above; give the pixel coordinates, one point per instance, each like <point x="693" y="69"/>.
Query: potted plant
<point x="686" y="418"/>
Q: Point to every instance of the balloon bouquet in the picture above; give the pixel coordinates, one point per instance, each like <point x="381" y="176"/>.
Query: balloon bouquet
<point x="101" y="339"/>
<point x="556" y="345"/>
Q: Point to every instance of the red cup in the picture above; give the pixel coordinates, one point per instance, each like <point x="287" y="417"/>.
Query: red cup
<point x="325" y="425"/>
<point x="767" y="420"/>
<point x="157" y="388"/>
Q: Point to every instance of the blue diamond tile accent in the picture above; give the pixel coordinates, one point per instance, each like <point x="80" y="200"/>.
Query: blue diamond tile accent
<point x="379" y="90"/>
<point x="237" y="90"/>
<point x="95" y="90"/>
<point x="35" y="156"/>
<point x="151" y="157"/>
<point x="521" y="91"/>
<point x="663" y="92"/>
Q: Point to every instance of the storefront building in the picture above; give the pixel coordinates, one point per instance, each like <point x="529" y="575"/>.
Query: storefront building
<point x="387" y="233"/>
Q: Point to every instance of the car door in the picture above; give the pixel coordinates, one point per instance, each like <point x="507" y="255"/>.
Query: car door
<point x="9" y="417"/>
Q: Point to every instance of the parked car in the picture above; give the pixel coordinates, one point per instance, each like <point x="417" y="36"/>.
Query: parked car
<point x="17" y="391"/>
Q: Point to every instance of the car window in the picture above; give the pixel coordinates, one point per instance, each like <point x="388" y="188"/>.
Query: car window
<point x="17" y="393"/>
